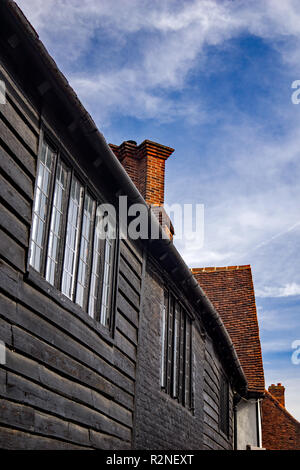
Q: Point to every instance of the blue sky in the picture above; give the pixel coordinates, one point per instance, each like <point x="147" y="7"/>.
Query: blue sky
<point x="211" y="79"/>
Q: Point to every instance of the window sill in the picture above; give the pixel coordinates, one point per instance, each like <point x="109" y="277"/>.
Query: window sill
<point x="35" y="278"/>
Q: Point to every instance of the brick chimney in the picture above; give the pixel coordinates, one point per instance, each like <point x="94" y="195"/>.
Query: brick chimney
<point x="145" y="164"/>
<point x="277" y="391"/>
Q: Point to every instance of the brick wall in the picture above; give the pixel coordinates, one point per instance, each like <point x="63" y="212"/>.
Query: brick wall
<point x="280" y="431"/>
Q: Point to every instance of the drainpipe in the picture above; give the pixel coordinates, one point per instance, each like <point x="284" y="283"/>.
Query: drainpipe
<point x="258" y="424"/>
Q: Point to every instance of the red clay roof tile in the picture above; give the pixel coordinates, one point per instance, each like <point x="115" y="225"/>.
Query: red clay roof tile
<point x="231" y="291"/>
<point x="280" y="430"/>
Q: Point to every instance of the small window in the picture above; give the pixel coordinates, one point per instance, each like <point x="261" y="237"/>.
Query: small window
<point x="65" y="247"/>
<point x="176" y="362"/>
<point x="224" y="405"/>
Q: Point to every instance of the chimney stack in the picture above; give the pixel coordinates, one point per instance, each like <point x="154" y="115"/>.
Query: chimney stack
<point x="145" y="164"/>
<point x="277" y="391"/>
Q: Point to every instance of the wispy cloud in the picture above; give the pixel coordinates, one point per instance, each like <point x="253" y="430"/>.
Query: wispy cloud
<point x="285" y="291"/>
<point x="277" y="346"/>
<point x="166" y="40"/>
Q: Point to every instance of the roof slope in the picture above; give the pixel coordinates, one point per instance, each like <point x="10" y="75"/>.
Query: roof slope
<point x="280" y="430"/>
<point x="231" y="291"/>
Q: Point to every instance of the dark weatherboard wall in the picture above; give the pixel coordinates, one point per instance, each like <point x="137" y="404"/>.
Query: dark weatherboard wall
<point x="64" y="384"/>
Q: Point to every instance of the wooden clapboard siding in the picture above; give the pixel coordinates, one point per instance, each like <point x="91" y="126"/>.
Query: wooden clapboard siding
<point x="128" y="299"/>
<point x="66" y="383"/>
<point x="16" y="203"/>
<point x="13" y="226"/>
<point x="20" y="101"/>
<point x="15" y="439"/>
<point x="213" y="438"/>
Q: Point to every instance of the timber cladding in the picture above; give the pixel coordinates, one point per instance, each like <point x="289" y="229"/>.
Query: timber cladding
<point x="65" y="384"/>
<point x="213" y="436"/>
<point x="161" y="421"/>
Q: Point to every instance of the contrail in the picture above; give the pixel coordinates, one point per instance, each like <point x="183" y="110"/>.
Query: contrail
<point x="273" y="238"/>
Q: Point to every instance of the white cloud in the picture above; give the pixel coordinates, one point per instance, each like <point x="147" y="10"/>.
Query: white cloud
<point x="170" y="41"/>
<point x="271" y="320"/>
<point x="252" y="206"/>
<point x="276" y="346"/>
<point x="285" y="291"/>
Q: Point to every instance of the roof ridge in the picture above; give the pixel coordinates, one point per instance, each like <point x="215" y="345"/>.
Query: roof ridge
<point x="221" y="268"/>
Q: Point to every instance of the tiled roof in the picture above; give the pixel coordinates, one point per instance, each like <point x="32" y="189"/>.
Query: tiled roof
<point x="269" y="396"/>
<point x="280" y="430"/>
<point x="230" y="289"/>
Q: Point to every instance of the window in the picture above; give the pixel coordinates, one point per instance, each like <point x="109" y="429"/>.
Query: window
<point x="66" y="246"/>
<point x="176" y="362"/>
<point x="41" y="203"/>
<point x="224" y="405"/>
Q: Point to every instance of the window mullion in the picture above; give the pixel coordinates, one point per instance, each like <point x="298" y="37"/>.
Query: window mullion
<point x="78" y="243"/>
<point x="170" y="343"/>
<point x="176" y="350"/>
<point x="111" y="277"/>
<point x="164" y="351"/>
<point x="41" y="206"/>
<point x="48" y="216"/>
<point x="191" y="398"/>
<point x="106" y="280"/>
<point x="94" y="300"/>
<point x="61" y="249"/>
<point x="90" y="258"/>
<point x="72" y="238"/>
<point x="101" y="279"/>
<point x="188" y="363"/>
<point x="181" y="356"/>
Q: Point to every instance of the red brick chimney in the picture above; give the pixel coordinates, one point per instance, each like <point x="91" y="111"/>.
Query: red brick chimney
<point x="277" y="391"/>
<point x="145" y="164"/>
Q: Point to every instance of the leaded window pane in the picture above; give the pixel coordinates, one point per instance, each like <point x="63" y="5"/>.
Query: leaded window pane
<point x="56" y="222"/>
<point x="71" y="247"/>
<point x="108" y="261"/>
<point x="41" y="203"/>
<point x="85" y="243"/>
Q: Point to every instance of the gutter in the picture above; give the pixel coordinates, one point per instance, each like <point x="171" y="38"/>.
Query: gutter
<point x="172" y="259"/>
